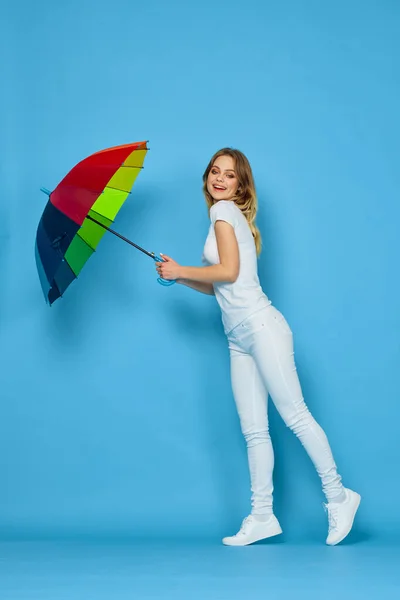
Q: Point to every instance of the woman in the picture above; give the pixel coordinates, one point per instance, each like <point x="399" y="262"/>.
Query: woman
<point x="261" y="348"/>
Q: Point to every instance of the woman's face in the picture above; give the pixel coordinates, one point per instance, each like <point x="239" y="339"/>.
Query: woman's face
<point x="222" y="182"/>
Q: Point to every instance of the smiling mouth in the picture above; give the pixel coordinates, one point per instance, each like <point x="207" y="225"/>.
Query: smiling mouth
<point x="219" y="188"/>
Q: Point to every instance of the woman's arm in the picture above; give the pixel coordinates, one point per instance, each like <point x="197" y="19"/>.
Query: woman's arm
<point x="199" y="286"/>
<point x="227" y="270"/>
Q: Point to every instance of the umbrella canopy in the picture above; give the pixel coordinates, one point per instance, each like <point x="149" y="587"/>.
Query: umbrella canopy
<point x="79" y="212"/>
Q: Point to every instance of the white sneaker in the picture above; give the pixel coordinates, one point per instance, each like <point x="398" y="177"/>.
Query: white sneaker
<point x="341" y="517"/>
<point x="252" y="531"/>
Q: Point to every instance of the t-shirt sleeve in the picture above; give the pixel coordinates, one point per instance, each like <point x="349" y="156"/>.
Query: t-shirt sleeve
<point x="223" y="211"/>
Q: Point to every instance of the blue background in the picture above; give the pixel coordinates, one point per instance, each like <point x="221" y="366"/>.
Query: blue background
<point x="116" y="411"/>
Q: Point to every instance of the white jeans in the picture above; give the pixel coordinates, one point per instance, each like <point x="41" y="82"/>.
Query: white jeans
<point x="262" y="363"/>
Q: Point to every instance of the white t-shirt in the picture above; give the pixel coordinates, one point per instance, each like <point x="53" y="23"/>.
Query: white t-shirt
<point x="243" y="297"/>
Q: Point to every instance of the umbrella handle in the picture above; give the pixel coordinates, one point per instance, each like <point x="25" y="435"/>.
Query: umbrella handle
<point x="165" y="282"/>
<point x="161" y="281"/>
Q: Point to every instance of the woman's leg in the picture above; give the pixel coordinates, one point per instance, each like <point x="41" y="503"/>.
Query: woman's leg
<point x="251" y="399"/>
<point x="272" y="350"/>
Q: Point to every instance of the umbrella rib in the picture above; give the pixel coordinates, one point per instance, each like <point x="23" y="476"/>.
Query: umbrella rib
<point x="97" y="213"/>
<point x="151" y="254"/>
<point x="108" y="187"/>
<point x="131" y="166"/>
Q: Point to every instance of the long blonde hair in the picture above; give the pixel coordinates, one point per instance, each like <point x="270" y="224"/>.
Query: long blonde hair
<point x="246" y="197"/>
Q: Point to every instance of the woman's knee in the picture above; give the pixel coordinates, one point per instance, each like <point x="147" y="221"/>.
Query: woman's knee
<point x="300" y="421"/>
<point x="255" y="437"/>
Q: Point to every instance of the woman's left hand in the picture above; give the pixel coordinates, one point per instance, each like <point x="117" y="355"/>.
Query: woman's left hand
<point x="169" y="269"/>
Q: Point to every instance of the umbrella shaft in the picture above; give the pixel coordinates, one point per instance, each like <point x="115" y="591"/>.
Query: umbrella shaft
<point x="121" y="237"/>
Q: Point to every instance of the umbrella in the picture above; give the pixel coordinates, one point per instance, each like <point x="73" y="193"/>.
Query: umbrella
<point x="79" y="212"/>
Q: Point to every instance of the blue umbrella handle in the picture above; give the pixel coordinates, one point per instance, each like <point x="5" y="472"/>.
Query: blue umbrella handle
<point x="165" y="282"/>
<point x="161" y="281"/>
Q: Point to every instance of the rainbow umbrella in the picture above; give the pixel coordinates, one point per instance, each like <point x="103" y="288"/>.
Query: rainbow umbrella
<point x="79" y="212"/>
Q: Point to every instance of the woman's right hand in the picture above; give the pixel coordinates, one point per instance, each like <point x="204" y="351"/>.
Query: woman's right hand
<point x="169" y="269"/>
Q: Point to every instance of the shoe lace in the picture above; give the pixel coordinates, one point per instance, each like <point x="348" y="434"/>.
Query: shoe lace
<point x="243" y="527"/>
<point x="333" y="515"/>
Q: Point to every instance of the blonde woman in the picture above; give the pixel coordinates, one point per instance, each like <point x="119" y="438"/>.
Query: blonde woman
<point x="261" y="349"/>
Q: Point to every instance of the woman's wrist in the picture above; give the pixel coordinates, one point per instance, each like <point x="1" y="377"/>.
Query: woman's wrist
<point x="181" y="274"/>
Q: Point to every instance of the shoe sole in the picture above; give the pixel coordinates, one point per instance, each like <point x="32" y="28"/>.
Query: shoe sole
<point x="276" y="531"/>
<point x="351" y="524"/>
